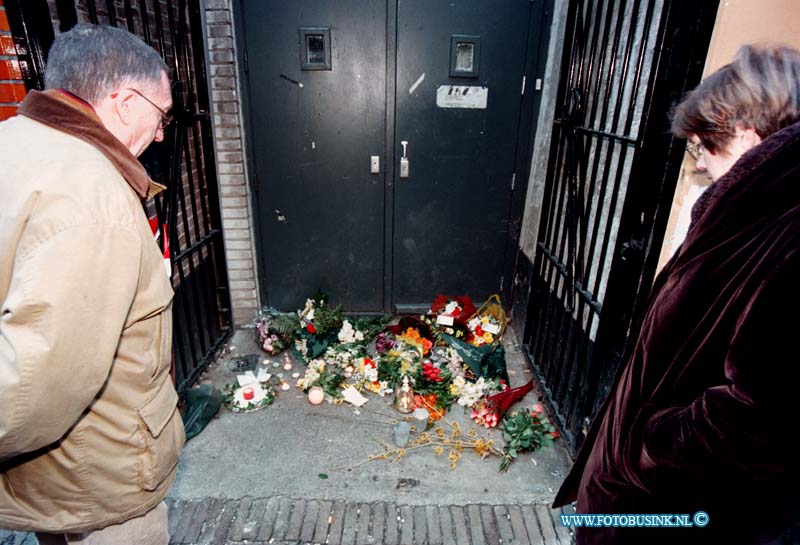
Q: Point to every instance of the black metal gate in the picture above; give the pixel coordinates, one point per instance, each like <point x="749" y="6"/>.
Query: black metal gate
<point x="610" y="180"/>
<point x="184" y="161"/>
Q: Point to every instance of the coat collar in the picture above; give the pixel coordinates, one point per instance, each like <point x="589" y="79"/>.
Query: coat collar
<point x="65" y="112"/>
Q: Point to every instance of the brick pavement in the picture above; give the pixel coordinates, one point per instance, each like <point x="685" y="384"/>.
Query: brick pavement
<point x="281" y="520"/>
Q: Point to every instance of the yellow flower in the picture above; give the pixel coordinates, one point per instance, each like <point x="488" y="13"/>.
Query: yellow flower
<point x="488" y="337"/>
<point x="438" y="451"/>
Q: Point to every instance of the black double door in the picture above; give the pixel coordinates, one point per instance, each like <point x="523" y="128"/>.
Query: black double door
<point x="383" y="140"/>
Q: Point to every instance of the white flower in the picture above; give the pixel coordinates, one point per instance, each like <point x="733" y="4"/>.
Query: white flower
<point x="370" y="373"/>
<point x="450" y="308"/>
<point x="470" y="393"/>
<point x="359" y="336"/>
<point x="307" y="314"/>
<point x="302" y="346"/>
<point x="347" y="334"/>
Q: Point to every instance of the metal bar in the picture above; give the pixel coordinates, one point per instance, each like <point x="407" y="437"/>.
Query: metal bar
<point x="205" y="240"/>
<point x="640" y="68"/>
<point x="585" y="235"/>
<point x="92" y="11"/>
<point x="145" y="22"/>
<point x="602" y="134"/>
<point x="112" y="12"/>
<point x="129" y="16"/>
<point x="196" y="292"/>
<point x="586" y="294"/>
<point x="32" y="33"/>
<point x="173" y="41"/>
<point x="180" y="328"/>
<point x="67" y="14"/>
<point x="214" y="213"/>
<point x="159" y="28"/>
<point x="187" y="62"/>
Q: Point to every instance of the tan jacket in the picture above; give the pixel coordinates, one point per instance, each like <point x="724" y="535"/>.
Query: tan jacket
<point x="89" y="431"/>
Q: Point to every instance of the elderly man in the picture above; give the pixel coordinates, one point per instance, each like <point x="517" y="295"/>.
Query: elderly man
<point x="701" y="418"/>
<point x="89" y="431"/>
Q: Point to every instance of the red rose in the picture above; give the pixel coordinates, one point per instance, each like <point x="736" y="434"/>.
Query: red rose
<point x="310" y="328"/>
<point x="554" y="434"/>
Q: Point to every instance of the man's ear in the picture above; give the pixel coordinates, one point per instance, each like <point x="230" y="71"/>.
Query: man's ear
<point x="122" y="106"/>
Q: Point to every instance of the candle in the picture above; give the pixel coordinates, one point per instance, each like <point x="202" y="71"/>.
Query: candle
<point x="421" y="416"/>
<point x="285" y="386"/>
<point x="287" y="366"/>
<point x="248" y="393"/>
<point x="316" y="395"/>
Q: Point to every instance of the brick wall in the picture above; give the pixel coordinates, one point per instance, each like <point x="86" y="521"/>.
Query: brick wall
<point x="237" y="219"/>
<point x="12" y="88"/>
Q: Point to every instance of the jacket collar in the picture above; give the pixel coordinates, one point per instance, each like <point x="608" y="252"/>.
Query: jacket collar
<point x="67" y="113"/>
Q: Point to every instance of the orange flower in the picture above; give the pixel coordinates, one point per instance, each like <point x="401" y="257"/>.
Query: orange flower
<point x="429" y="401"/>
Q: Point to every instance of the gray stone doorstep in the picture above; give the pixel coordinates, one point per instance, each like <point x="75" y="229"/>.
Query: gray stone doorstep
<point x="282" y="520"/>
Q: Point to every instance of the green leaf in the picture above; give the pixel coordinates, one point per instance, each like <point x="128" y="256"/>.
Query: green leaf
<point x="323" y="475"/>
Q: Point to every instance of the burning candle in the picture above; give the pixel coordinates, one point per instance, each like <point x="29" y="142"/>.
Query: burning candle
<point x="316" y="395"/>
<point x="248" y="394"/>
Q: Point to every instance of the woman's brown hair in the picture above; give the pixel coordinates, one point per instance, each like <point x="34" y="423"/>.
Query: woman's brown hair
<point x="759" y="90"/>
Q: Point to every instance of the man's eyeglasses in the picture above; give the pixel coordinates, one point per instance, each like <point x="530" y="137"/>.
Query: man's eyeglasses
<point x="166" y="117"/>
<point x="694" y="150"/>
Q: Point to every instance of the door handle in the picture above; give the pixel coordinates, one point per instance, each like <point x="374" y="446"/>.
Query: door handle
<point x="404" y="160"/>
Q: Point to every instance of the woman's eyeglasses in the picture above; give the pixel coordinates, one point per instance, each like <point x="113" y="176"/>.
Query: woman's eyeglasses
<point x="694" y="150"/>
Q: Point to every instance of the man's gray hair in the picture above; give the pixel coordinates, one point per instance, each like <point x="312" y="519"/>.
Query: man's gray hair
<point x="91" y="61"/>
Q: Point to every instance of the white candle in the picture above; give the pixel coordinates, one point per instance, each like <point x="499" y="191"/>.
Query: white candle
<point x="316" y="395"/>
<point x="421" y="415"/>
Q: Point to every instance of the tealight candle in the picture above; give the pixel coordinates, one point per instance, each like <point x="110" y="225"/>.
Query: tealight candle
<point x="248" y="394"/>
<point x="421" y="415"/>
<point x="285" y="386"/>
<point x="316" y="395"/>
<point x="287" y="366"/>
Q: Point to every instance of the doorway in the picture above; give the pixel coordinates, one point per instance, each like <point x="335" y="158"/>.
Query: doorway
<point x="383" y="142"/>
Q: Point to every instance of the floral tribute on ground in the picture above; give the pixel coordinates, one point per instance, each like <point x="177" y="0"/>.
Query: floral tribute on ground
<point x="451" y="355"/>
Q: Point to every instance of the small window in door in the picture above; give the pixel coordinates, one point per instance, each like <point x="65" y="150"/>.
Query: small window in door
<point x="315" y="48"/>
<point x="465" y="52"/>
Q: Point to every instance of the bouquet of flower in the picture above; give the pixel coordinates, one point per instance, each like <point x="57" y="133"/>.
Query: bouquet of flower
<point x="488" y="323"/>
<point x="451" y="310"/>
<point x="525" y="431"/>
<point x="485" y="415"/>
<point x="323" y="375"/>
<point x="274" y="330"/>
<point x="319" y="326"/>
<point x="318" y="318"/>
<point x="483" y="330"/>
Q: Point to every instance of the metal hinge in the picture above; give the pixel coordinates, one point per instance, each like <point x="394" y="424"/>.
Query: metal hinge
<point x="513" y="180"/>
<point x="502" y="279"/>
<point x="523" y="85"/>
<point x="538" y="85"/>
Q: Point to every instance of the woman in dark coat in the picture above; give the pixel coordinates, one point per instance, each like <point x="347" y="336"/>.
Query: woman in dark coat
<point x="703" y="413"/>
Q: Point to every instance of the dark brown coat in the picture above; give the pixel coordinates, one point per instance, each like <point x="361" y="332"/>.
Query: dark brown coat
<point x="703" y="414"/>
